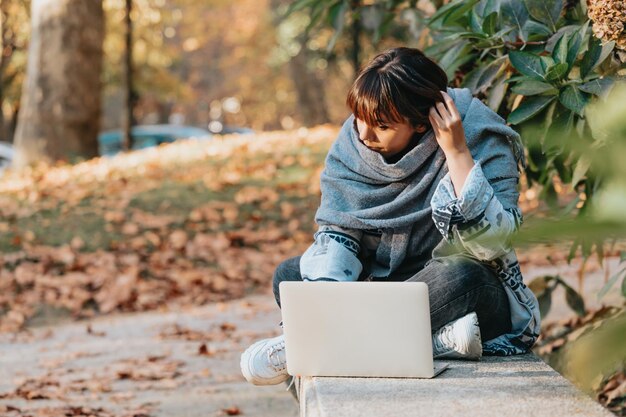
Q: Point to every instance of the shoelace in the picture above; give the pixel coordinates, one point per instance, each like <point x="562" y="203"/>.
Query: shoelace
<point x="274" y="354"/>
<point x="444" y="340"/>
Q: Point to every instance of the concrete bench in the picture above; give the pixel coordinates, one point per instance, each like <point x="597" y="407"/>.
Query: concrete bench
<point x="495" y="386"/>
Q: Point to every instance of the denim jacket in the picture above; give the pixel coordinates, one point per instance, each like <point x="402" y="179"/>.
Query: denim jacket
<point x="475" y="223"/>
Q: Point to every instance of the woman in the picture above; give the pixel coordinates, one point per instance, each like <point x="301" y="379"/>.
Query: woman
<point x="420" y="185"/>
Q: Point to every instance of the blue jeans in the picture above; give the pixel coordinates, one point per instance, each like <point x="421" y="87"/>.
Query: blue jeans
<point x="457" y="285"/>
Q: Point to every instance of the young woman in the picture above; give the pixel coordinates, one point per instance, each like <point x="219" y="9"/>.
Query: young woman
<point x="420" y="185"/>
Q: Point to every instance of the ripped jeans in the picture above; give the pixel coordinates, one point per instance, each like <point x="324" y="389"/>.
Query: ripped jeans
<point x="457" y="285"/>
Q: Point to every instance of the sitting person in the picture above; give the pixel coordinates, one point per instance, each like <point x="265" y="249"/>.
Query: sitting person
<point x="420" y="185"/>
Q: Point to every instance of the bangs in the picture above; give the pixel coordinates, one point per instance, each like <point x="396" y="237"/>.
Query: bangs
<point x="373" y="100"/>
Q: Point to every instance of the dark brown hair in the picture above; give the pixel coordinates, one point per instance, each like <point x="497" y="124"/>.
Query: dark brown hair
<point x="398" y="85"/>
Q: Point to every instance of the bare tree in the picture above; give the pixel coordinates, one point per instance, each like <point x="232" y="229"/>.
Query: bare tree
<point x="60" y="108"/>
<point x="356" y="36"/>
<point x="129" y="90"/>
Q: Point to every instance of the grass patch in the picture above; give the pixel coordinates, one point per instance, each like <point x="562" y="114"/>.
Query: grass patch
<point x="57" y="227"/>
<point x="176" y="198"/>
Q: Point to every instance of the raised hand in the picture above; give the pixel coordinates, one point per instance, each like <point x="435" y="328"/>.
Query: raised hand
<point x="446" y="122"/>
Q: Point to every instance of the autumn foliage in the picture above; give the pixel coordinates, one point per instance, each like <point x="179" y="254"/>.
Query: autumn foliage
<point x="183" y="224"/>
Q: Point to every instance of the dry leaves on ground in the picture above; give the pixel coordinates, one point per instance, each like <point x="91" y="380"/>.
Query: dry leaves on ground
<point x="158" y="256"/>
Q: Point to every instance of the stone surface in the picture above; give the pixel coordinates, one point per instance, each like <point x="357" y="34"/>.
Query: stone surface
<point x="148" y="361"/>
<point x="496" y="386"/>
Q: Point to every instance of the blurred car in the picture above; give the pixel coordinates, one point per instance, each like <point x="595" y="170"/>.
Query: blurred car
<point x="236" y="129"/>
<point x="146" y="136"/>
<point x="6" y="155"/>
<point x="220" y="129"/>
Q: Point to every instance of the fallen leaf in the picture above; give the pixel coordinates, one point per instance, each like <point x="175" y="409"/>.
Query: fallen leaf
<point x="232" y="411"/>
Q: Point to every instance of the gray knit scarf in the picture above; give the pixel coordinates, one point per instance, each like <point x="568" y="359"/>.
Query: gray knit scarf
<point x="360" y="190"/>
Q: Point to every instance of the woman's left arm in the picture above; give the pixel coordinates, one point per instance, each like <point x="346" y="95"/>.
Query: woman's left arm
<point x="477" y="219"/>
<point x="465" y="204"/>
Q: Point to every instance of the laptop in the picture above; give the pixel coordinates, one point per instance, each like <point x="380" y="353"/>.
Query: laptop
<point x="358" y="329"/>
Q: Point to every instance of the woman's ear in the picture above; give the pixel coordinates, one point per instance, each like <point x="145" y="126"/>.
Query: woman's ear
<point x="421" y="128"/>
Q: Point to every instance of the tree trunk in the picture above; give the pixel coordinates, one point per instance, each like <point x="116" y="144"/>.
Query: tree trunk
<point x="60" y="106"/>
<point x="309" y="88"/>
<point x="356" y="36"/>
<point x="129" y="90"/>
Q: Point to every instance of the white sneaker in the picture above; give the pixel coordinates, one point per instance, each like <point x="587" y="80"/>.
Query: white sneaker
<point x="265" y="363"/>
<point x="459" y="339"/>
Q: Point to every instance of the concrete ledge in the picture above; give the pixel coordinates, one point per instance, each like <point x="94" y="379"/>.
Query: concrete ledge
<point x="496" y="386"/>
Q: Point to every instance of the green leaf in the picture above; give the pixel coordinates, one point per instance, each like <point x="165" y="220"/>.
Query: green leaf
<point x="528" y="108"/>
<point x="533" y="28"/>
<point x="500" y="34"/>
<point x="570" y="206"/>
<point x="573" y="249"/>
<point x="461" y="59"/>
<point x="585" y="248"/>
<point x="337" y="16"/>
<point x="540" y="284"/>
<point x="450" y="12"/>
<point x="545" y="11"/>
<point x="609" y="284"/>
<point x="475" y="22"/>
<point x="573" y="99"/>
<point x="491" y="72"/>
<point x="574" y="44"/>
<point x="559" y="53"/>
<point x="299" y="5"/>
<point x="560" y="129"/>
<point x="528" y="64"/>
<point x="316" y="12"/>
<point x="485" y="8"/>
<point x="556" y="72"/>
<point x="543" y="291"/>
<point x="497" y="92"/>
<point x="471" y="78"/>
<point x="441" y="46"/>
<point x="453" y="58"/>
<point x="489" y="23"/>
<point x="547" y="122"/>
<point x="599" y="87"/>
<point x="565" y="30"/>
<point x="546" y="62"/>
<point x="515" y="78"/>
<point x="459" y="12"/>
<point x="513" y="13"/>
<point x="574" y="300"/>
<point x="481" y="78"/>
<point x="596" y="54"/>
<point x="545" y="302"/>
<point x="600" y="251"/>
<point x="582" y="166"/>
<point x="532" y="87"/>
<point x="472" y="35"/>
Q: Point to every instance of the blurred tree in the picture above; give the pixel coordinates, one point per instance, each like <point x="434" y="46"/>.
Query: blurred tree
<point x="308" y="84"/>
<point x="130" y="95"/>
<point x="309" y="87"/>
<point x="60" y="110"/>
<point x="155" y="79"/>
<point x="14" y="29"/>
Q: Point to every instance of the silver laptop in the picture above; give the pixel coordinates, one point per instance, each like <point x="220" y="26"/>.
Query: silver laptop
<point x="358" y="329"/>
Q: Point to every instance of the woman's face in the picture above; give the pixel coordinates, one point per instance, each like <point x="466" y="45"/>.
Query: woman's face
<point x="388" y="139"/>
